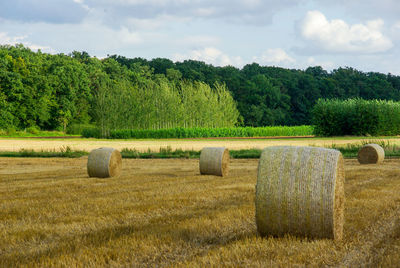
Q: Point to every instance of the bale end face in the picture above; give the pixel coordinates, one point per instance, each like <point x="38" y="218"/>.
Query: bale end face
<point x="214" y="161"/>
<point x="371" y="154"/>
<point x="300" y="191"/>
<point x="104" y="163"/>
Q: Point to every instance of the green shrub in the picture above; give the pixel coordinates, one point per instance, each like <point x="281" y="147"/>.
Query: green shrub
<point x="33" y="130"/>
<point x="11" y="131"/>
<point x="91" y="132"/>
<point x="77" y="129"/>
<point x="356" y="117"/>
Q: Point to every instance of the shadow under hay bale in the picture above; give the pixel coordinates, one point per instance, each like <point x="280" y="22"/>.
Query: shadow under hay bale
<point x="371" y="154"/>
<point x="300" y="191"/>
<point x="214" y="161"/>
<point x="104" y="163"/>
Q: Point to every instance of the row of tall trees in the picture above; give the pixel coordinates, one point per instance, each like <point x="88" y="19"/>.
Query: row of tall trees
<point x="161" y="103"/>
<point x="277" y="96"/>
<point x="53" y="91"/>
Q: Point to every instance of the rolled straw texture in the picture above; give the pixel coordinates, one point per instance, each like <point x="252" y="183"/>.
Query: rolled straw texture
<point x="214" y="161"/>
<point x="300" y="191"/>
<point x="371" y="154"/>
<point x="104" y="162"/>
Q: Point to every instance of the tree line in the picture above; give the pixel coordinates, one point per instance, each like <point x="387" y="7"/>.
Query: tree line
<point x="268" y="95"/>
<point x="54" y="91"/>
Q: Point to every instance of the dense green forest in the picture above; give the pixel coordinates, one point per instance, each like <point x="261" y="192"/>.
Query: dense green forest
<point x="278" y="96"/>
<point x="54" y="91"/>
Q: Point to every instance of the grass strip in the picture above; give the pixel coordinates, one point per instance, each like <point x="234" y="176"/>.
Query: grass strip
<point x="33" y="134"/>
<point x="64" y="152"/>
<point x="163" y="153"/>
<point x="349" y="151"/>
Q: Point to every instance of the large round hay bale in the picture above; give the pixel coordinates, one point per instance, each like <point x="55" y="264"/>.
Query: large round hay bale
<point x="214" y="161"/>
<point x="300" y="191"/>
<point x="104" y="162"/>
<point x="371" y="154"/>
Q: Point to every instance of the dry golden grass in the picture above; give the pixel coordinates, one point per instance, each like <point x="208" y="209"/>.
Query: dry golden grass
<point x="11" y="144"/>
<point x="163" y="213"/>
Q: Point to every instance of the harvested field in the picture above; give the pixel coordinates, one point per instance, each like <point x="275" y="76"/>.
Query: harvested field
<point x="163" y="213"/>
<point x="10" y="144"/>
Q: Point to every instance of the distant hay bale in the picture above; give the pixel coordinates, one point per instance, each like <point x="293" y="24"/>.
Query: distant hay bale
<point x="104" y="162"/>
<point x="371" y="154"/>
<point x="214" y="161"/>
<point x="300" y="191"/>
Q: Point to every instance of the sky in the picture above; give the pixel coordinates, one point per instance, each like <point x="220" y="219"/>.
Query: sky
<point x="296" y="34"/>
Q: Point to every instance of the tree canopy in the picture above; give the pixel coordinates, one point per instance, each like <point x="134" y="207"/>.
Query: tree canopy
<point x="54" y="91"/>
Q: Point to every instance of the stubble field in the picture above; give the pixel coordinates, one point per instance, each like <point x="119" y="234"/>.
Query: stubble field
<point x="38" y="144"/>
<point x="163" y="213"/>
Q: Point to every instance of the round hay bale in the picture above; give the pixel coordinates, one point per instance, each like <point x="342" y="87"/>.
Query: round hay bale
<point x="214" y="161"/>
<point x="371" y="154"/>
<point x="104" y="162"/>
<point x="300" y="191"/>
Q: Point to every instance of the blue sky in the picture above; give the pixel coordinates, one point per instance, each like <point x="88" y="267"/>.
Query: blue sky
<point x="364" y="34"/>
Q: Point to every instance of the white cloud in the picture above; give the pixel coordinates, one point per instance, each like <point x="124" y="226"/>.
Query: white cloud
<point x="396" y="29"/>
<point x="275" y="56"/>
<point x="10" y="40"/>
<point x="327" y="65"/>
<point x="338" y="36"/>
<point x="143" y="24"/>
<point x="143" y="2"/>
<point x="162" y="22"/>
<point x="199" y="41"/>
<point x="127" y="37"/>
<point x="110" y="40"/>
<point x="5" y="39"/>
<point x="252" y="3"/>
<point x="210" y="55"/>
<point x="90" y="36"/>
<point x="204" y="12"/>
<point x="238" y="11"/>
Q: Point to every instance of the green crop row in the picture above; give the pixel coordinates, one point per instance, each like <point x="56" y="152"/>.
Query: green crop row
<point x="274" y="131"/>
<point x="356" y="117"/>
